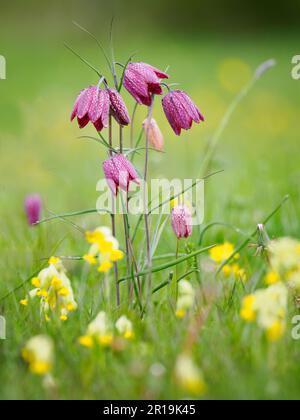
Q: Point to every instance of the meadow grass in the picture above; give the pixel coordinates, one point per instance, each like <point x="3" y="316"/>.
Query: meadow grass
<point x="41" y="152"/>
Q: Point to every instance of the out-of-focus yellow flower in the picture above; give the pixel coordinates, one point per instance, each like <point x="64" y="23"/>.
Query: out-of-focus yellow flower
<point x="188" y="376"/>
<point x="268" y="307"/>
<point x="54" y="289"/>
<point x="24" y="302"/>
<point x="276" y="330"/>
<point x="284" y="255"/>
<point x="247" y="311"/>
<point x="104" y="249"/>
<point x="272" y="277"/>
<point x="186" y="298"/>
<point x="38" y="352"/>
<point x="98" y="331"/>
<point x="221" y="253"/>
<point x="124" y="327"/>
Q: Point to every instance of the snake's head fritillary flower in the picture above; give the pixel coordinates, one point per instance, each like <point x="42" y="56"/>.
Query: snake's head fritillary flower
<point x="142" y="81"/>
<point x="118" y="108"/>
<point x="154" y="134"/>
<point x="182" y="221"/>
<point x="33" y="208"/>
<point x="180" y="111"/>
<point x="92" y="105"/>
<point x="119" y="172"/>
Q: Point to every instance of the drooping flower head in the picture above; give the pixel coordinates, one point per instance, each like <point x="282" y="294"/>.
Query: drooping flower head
<point x="53" y="288"/>
<point x="38" y="352"/>
<point x="92" y="105"/>
<point x="119" y="172"/>
<point x="104" y="249"/>
<point x="118" y="108"/>
<point x="181" y="220"/>
<point x="180" y="111"/>
<point x="33" y="208"/>
<point x="154" y="134"/>
<point x="142" y="81"/>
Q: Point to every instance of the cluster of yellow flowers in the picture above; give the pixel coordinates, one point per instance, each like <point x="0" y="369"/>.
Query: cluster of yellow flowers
<point x="38" y="352"/>
<point x="188" y="376"/>
<point x="54" y="289"/>
<point x="186" y="298"/>
<point x="101" y="331"/>
<point x="268" y="307"/>
<point x="284" y="257"/>
<point x="221" y="253"/>
<point x="104" y="249"/>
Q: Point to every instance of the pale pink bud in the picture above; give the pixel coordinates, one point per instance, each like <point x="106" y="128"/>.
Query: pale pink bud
<point x="118" y="108"/>
<point x="92" y="104"/>
<point x="154" y="134"/>
<point x="33" y="208"/>
<point x="142" y="81"/>
<point x="180" y="111"/>
<point x="181" y="220"/>
<point x="119" y="172"/>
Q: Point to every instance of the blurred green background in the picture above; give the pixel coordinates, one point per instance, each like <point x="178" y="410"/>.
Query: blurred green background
<point x="212" y="51"/>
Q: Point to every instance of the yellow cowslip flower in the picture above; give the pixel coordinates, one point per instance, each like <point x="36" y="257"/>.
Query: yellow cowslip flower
<point x="55" y="290"/>
<point x="124" y="327"/>
<point x="271" y="278"/>
<point x="276" y="331"/>
<point x="24" y="302"/>
<point x="98" y="331"/>
<point x="105" y="267"/>
<point x="268" y="307"/>
<point x="104" y="248"/>
<point x="284" y="255"/>
<point x="54" y="260"/>
<point x="222" y="252"/>
<point x="188" y="376"/>
<point x="186" y="298"/>
<point x="35" y="281"/>
<point x="86" y="341"/>
<point x="38" y="352"/>
<point x="91" y="259"/>
<point x="247" y="311"/>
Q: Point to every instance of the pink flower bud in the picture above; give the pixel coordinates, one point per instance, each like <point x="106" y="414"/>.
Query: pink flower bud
<point x="154" y="134"/>
<point x="119" y="172"/>
<point x="33" y="208"/>
<point x="118" y="108"/>
<point x="92" y="104"/>
<point x="142" y="81"/>
<point x="182" y="221"/>
<point x="180" y="111"/>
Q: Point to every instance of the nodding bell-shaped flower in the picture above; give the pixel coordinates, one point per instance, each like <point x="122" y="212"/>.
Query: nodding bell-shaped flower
<point x="154" y="134"/>
<point x="119" y="172"/>
<point x="33" y="208"/>
<point x="181" y="220"/>
<point x="142" y="81"/>
<point x="118" y="108"/>
<point x="180" y="111"/>
<point x="92" y="105"/>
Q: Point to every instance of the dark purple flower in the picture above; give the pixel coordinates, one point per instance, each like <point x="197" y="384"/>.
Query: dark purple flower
<point x="180" y="111"/>
<point x="181" y="220"/>
<point x="118" y="108"/>
<point x="142" y="81"/>
<point x="92" y="104"/>
<point x="119" y="172"/>
<point x="33" y="208"/>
